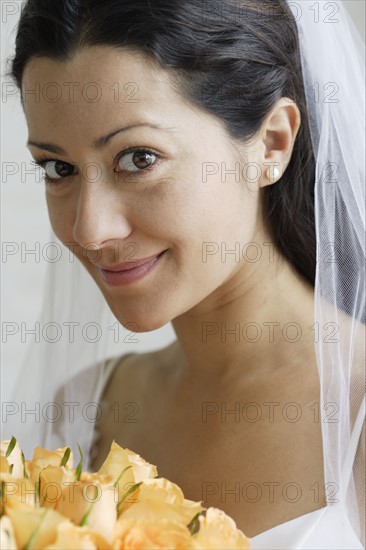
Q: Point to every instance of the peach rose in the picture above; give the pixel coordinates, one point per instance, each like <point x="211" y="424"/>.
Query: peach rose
<point x="38" y="523"/>
<point x="91" y="502"/>
<point x="126" y="469"/>
<point x="160" y="497"/>
<point x="7" y="537"/>
<point x="134" y="534"/>
<point x="72" y="537"/>
<point x="53" y="481"/>
<point x="14" y="458"/>
<point x="119" y="458"/>
<point x="4" y="465"/>
<point x="217" y="531"/>
<point x="21" y="489"/>
<point x="43" y="458"/>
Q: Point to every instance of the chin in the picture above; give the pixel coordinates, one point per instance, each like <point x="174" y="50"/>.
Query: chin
<point x="141" y="322"/>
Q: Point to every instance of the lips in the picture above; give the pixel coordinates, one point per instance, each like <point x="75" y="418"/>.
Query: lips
<point x="128" y="275"/>
<point x="129" y="265"/>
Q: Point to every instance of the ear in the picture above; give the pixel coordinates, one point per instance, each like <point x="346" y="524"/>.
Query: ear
<point x="278" y="135"/>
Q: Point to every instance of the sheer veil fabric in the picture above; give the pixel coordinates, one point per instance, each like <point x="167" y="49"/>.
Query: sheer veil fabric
<point x="53" y="408"/>
<point x="333" y="57"/>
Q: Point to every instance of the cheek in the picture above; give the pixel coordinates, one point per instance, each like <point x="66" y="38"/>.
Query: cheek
<point x="213" y="210"/>
<point x="202" y="220"/>
<point x="61" y="218"/>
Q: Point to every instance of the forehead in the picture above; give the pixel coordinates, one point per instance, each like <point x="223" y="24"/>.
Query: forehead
<point x="97" y="83"/>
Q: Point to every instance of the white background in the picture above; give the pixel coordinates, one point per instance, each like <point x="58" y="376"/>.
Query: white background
<point x="24" y="217"/>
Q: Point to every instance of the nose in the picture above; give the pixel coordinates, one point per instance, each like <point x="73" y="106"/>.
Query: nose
<point x="100" y="215"/>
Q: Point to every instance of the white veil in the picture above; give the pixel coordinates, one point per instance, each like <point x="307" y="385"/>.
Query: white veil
<point x="77" y="332"/>
<point x="333" y="64"/>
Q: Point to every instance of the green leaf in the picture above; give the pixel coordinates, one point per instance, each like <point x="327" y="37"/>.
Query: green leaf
<point x="84" y="520"/>
<point x="11" y="446"/>
<point x="79" y="467"/>
<point x="32" y="538"/>
<point x="66" y="457"/>
<point x="38" y="486"/>
<point x="24" y="468"/>
<point x="38" y="491"/>
<point x="127" y="494"/>
<point x="120" y="476"/>
<point x="11" y="467"/>
<point x="193" y="525"/>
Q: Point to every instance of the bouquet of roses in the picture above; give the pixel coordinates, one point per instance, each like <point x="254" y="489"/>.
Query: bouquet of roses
<point x="48" y="503"/>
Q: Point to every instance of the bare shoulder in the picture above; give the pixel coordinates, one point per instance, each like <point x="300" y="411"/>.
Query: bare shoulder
<point x="136" y="371"/>
<point x="131" y="383"/>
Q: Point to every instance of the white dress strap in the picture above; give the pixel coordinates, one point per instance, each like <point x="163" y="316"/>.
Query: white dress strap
<point x="352" y="448"/>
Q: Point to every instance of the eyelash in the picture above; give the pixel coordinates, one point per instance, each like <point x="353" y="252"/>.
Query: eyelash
<point x="54" y="181"/>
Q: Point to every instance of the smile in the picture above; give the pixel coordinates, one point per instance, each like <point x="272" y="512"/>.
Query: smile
<point x="131" y="275"/>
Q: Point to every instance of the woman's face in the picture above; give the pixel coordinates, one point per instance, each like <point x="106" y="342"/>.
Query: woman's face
<point x="185" y="194"/>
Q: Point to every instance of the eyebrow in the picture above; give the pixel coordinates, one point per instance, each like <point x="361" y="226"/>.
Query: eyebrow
<point x="100" y="142"/>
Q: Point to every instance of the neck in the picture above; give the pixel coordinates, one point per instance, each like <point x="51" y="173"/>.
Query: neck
<point x="250" y="328"/>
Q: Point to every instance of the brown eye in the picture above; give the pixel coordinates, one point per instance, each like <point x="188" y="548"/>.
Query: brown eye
<point x="135" y="161"/>
<point x="57" y="169"/>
